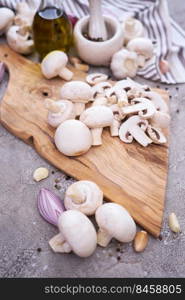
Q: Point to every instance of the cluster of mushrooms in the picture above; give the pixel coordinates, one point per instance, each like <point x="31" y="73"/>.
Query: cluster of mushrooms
<point x="78" y="234"/>
<point x="132" y="111"/>
<point x="18" y="27"/>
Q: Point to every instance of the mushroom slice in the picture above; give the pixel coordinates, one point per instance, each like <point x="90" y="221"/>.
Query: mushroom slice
<point x="156" y="135"/>
<point x="84" y="196"/>
<point x="134" y="128"/>
<point x="144" y="107"/>
<point x="117" y="95"/>
<point x="100" y="89"/>
<point x="118" y="117"/>
<point x="96" y="118"/>
<point x="59" y="111"/>
<point x="158" y="101"/>
<point x="95" y="78"/>
<point x="114" y="221"/>
<point x="160" y="120"/>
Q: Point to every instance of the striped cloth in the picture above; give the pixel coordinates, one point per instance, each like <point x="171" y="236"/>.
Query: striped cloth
<point x="169" y="37"/>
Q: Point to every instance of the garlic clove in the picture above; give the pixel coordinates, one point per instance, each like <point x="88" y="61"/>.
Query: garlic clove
<point x="174" y="223"/>
<point x="40" y="174"/>
<point x="140" y="241"/>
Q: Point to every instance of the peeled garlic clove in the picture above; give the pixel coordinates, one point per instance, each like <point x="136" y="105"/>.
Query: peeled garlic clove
<point x="40" y="173"/>
<point x="140" y="241"/>
<point x="174" y="223"/>
<point x="50" y="206"/>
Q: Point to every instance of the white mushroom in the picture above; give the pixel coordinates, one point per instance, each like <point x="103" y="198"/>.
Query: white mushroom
<point x="158" y="101"/>
<point x="124" y="63"/>
<point x="73" y="138"/>
<point x="114" y="221"/>
<point x="137" y="92"/>
<point x="100" y="101"/>
<point x="118" y="117"/>
<point x="132" y="28"/>
<point x="20" y="40"/>
<point x="96" y="118"/>
<point x="117" y="96"/>
<point x="95" y="78"/>
<point x="144" y="107"/>
<point x="84" y="196"/>
<point x="144" y="49"/>
<point x="78" y="92"/>
<point x="54" y="64"/>
<point x="59" y="111"/>
<point x="77" y="234"/>
<point x="134" y="128"/>
<point x="156" y="135"/>
<point x="6" y="19"/>
<point x="160" y="120"/>
<point x="127" y="84"/>
<point x="100" y="89"/>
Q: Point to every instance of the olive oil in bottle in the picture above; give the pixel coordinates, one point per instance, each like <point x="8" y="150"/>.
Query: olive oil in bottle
<point x="52" y="30"/>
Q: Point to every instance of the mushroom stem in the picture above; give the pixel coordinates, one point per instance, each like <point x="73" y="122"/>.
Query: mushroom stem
<point x="103" y="238"/>
<point x="140" y="136"/>
<point x="52" y="106"/>
<point x="66" y="74"/>
<point x="58" y="244"/>
<point x="79" y="108"/>
<point x="96" y="135"/>
<point x="114" y="128"/>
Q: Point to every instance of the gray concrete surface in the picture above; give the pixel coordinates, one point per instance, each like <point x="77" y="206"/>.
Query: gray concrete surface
<point x="24" y="235"/>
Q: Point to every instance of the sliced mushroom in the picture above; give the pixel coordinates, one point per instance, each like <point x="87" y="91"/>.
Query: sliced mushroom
<point x="156" y="135"/>
<point x="134" y="128"/>
<point x="127" y="84"/>
<point x="144" y="107"/>
<point x="132" y="28"/>
<point x="100" y="89"/>
<point x="95" y="78"/>
<point x="96" y="118"/>
<point x="124" y="63"/>
<point x="84" y="196"/>
<point x="118" y="117"/>
<point x="144" y="49"/>
<point x="158" y="101"/>
<point x="160" y="120"/>
<point x="79" y="93"/>
<point x="59" y="111"/>
<point x="117" y="96"/>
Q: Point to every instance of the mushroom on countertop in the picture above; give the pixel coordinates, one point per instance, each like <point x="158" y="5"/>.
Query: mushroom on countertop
<point x="54" y="64"/>
<point x="96" y="118"/>
<point x="6" y="19"/>
<point x="156" y="135"/>
<point x="99" y="89"/>
<point x="134" y="128"/>
<point x="59" y="111"/>
<point x="124" y="63"/>
<point x="117" y="96"/>
<point x="118" y="117"/>
<point x="144" y="107"/>
<point x="132" y="28"/>
<point x="73" y="138"/>
<point x="77" y="234"/>
<point x="84" y="196"/>
<point x="114" y="221"/>
<point x="79" y="93"/>
<point x="95" y="78"/>
<point x="160" y="120"/>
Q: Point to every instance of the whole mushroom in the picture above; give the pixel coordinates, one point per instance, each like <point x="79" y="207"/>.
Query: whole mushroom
<point x="78" y="92"/>
<point x="73" y="138"/>
<point x="59" y="111"/>
<point x="132" y="28"/>
<point x="54" y="64"/>
<point x="114" y="221"/>
<point x="6" y="19"/>
<point x="84" y="196"/>
<point x="96" y="118"/>
<point x="77" y="234"/>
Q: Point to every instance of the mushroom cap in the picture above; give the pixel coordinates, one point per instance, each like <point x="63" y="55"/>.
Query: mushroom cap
<point x="97" y="117"/>
<point x="116" y="221"/>
<point x="84" y="196"/>
<point x="78" y="232"/>
<point x="73" y="138"/>
<point x="142" y="46"/>
<point x="124" y="63"/>
<point x="67" y="113"/>
<point x="6" y="18"/>
<point x="52" y="63"/>
<point x="76" y="91"/>
<point x="132" y="28"/>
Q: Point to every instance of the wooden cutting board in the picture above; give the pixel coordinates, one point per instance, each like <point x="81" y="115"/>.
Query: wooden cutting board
<point x="127" y="173"/>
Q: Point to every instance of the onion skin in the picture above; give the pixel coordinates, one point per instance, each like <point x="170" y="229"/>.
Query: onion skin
<point x="50" y="206"/>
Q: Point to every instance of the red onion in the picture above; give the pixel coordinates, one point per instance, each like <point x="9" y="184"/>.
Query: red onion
<point x="50" y="206"/>
<point x="2" y="71"/>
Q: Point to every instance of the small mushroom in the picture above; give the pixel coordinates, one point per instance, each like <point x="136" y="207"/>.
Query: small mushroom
<point x="144" y="107"/>
<point x="132" y="28"/>
<point x="84" y="196"/>
<point x="124" y="63"/>
<point x="158" y="101"/>
<point x="134" y="128"/>
<point x="114" y="221"/>
<point x="144" y="49"/>
<point x="20" y="40"/>
<point x="96" y="118"/>
<point x="117" y="96"/>
<point x="54" y="64"/>
<point x="100" y="89"/>
<point x="95" y="78"/>
<point x="77" y="234"/>
<point x="6" y="19"/>
<point x="78" y="92"/>
<point x="160" y="120"/>
<point x="59" y="111"/>
<point x="156" y="135"/>
<point x="73" y="138"/>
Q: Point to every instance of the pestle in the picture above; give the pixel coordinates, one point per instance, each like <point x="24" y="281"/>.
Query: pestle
<point x="97" y="30"/>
